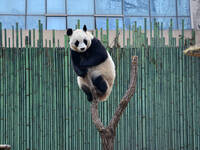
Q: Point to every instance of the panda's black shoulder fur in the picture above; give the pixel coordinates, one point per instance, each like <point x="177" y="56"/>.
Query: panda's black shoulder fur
<point x="93" y="56"/>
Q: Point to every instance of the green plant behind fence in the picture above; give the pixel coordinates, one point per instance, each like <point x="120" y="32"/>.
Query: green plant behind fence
<point x="42" y="108"/>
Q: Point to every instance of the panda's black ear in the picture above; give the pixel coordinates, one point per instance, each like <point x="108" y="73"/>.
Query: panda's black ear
<point x="69" y="32"/>
<point x="84" y="28"/>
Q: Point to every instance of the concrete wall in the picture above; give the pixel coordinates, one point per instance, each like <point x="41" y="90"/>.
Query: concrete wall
<point x="60" y="36"/>
<point x="195" y="14"/>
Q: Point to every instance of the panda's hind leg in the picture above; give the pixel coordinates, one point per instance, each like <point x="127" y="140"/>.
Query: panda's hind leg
<point x="87" y="91"/>
<point x="100" y="84"/>
<point x="85" y="87"/>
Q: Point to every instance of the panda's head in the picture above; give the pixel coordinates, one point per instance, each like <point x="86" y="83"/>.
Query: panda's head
<point x="80" y="39"/>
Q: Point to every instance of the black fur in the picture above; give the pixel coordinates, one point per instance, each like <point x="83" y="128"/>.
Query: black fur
<point x="85" y="41"/>
<point x="69" y="32"/>
<point x="93" y="56"/>
<point x="87" y="92"/>
<point x="76" y="43"/>
<point x="84" y="28"/>
<point x="100" y="84"/>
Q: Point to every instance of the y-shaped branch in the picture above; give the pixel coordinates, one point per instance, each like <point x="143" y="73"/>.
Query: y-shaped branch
<point x="109" y="131"/>
<point x="127" y="97"/>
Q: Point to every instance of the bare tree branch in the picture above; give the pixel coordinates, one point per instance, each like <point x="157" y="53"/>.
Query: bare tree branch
<point x="127" y="97"/>
<point x="123" y="103"/>
<point x="95" y="116"/>
<point x="108" y="133"/>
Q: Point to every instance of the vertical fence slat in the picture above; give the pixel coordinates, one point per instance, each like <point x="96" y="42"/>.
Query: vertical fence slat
<point x="5" y="38"/>
<point x="1" y="87"/>
<point x="21" y="38"/>
<point x="1" y="39"/>
<point x="17" y="35"/>
<point x="107" y="32"/>
<point x="13" y="42"/>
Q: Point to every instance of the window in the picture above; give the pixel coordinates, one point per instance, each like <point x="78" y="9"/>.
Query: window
<point x="55" y="6"/>
<point x="163" y="7"/>
<point x="9" y="21"/>
<point x="101" y="23"/>
<point x="166" y="21"/>
<point x="187" y="22"/>
<point x="36" y="7"/>
<point x="60" y="14"/>
<point x="136" y="8"/>
<point x="108" y="7"/>
<point x="32" y="21"/>
<point x="58" y="23"/>
<point x="12" y="7"/>
<point x="80" y="7"/>
<point x="140" y="22"/>
<point x="72" y="22"/>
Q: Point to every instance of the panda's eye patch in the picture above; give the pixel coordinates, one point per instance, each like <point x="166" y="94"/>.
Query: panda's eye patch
<point x="85" y="41"/>
<point x="76" y="43"/>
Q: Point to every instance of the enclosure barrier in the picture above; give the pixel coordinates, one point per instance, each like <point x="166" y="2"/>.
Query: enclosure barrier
<point x="42" y="108"/>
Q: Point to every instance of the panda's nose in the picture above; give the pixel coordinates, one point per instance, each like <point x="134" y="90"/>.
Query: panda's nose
<point x="82" y="49"/>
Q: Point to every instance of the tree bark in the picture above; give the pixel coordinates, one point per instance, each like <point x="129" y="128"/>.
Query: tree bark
<point x="108" y="133"/>
<point x="107" y="143"/>
<point x="107" y="139"/>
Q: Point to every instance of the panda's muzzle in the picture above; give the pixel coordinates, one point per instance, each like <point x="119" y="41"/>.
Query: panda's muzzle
<point x="82" y="49"/>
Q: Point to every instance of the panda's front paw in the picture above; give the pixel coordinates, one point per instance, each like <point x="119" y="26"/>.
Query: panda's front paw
<point x="82" y="73"/>
<point x="89" y="97"/>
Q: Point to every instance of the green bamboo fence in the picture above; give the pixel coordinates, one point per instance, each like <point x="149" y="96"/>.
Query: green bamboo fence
<point x="42" y="108"/>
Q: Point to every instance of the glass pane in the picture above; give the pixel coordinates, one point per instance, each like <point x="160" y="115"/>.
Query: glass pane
<point x="183" y="7"/>
<point x="88" y="21"/>
<point x="57" y="23"/>
<point x="36" y="6"/>
<point x="166" y="22"/>
<point x="187" y="22"/>
<point x="32" y="21"/>
<point x="101" y="23"/>
<point x="12" y="6"/>
<point x="136" y="7"/>
<point x="163" y="8"/>
<point x="80" y="7"/>
<point x="139" y="20"/>
<point x="9" y="21"/>
<point x="56" y="6"/>
<point x="108" y="7"/>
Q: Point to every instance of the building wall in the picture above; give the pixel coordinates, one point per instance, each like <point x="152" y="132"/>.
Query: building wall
<point x="195" y="14"/>
<point x="59" y="35"/>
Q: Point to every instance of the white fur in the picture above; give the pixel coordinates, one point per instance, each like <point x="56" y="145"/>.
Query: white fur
<point x="106" y="69"/>
<point x="80" y="35"/>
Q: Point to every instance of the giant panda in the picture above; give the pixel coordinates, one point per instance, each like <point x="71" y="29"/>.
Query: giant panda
<point x="92" y="64"/>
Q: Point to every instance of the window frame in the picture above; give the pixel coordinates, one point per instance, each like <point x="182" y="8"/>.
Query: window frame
<point x="95" y="15"/>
